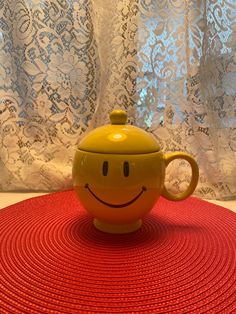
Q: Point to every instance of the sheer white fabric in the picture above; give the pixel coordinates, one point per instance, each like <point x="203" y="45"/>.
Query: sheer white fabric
<point x="64" y="65"/>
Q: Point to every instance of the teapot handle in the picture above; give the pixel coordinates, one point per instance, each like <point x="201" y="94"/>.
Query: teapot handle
<point x="168" y="157"/>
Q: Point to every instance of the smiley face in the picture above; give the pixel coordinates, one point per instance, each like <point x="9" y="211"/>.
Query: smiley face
<point x="118" y="188"/>
<point x="105" y="173"/>
<point x="116" y="205"/>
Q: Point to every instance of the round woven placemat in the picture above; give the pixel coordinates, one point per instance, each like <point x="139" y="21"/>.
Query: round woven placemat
<point x="182" y="260"/>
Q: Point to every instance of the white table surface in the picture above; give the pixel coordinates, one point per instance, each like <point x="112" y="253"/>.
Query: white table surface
<point x="8" y="198"/>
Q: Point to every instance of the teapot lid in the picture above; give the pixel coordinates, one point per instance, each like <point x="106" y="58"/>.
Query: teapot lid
<point x="119" y="138"/>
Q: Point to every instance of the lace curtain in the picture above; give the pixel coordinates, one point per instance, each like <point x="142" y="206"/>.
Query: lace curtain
<point x="65" y="64"/>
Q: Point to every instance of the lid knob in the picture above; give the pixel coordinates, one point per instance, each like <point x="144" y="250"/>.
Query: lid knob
<point x="118" y="117"/>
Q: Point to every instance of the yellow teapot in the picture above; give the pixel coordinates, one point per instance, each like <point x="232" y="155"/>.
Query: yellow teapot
<point x="119" y="172"/>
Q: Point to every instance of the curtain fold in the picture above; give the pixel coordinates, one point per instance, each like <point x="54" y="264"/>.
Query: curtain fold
<point x="64" y="65"/>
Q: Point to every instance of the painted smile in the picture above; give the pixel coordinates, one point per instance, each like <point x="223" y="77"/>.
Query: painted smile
<point x="116" y="205"/>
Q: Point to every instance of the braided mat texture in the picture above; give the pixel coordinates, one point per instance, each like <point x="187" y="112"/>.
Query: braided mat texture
<point x="53" y="260"/>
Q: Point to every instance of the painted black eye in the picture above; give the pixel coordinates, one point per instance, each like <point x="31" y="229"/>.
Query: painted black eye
<point x="105" y="168"/>
<point x="126" y="169"/>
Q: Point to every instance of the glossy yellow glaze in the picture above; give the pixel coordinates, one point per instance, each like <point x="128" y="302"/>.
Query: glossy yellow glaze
<point x="119" y="138"/>
<point x="119" y="172"/>
<point x="168" y="157"/>
<point x="116" y="198"/>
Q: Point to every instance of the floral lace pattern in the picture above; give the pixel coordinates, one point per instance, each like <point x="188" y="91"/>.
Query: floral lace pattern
<point x="48" y="88"/>
<point x="64" y="65"/>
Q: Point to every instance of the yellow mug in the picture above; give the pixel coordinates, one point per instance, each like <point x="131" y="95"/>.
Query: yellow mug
<point x="119" y="173"/>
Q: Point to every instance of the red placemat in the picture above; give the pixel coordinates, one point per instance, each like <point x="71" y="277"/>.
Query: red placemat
<point x="182" y="260"/>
